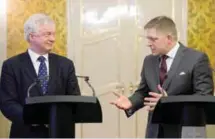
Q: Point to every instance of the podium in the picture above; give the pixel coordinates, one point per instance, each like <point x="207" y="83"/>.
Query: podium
<point x="185" y="110"/>
<point x="61" y="113"/>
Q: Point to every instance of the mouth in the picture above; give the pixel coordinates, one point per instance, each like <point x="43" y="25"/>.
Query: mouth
<point x="152" y="50"/>
<point x="50" y="44"/>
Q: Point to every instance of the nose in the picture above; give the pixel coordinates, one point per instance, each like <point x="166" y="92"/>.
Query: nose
<point x="52" y="38"/>
<point x="149" y="43"/>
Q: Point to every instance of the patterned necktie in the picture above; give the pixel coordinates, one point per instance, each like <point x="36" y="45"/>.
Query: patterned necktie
<point x="42" y="74"/>
<point x="163" y="69"/>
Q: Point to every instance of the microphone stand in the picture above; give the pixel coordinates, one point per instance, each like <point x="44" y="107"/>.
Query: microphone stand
<point x="37" y="81"/>
<point x="86" y="79"/>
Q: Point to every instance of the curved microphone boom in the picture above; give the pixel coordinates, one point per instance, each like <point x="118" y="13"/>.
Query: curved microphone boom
<point x="86" y="79"/>
<point x="37" y="81"/>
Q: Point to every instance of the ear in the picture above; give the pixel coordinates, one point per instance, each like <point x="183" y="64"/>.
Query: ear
<point x="30" y="36"/>
<point x="169" y="38"/>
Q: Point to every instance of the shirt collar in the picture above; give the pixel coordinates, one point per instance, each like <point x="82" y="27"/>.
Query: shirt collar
<point x="34" y="56"/>
<point x="173" y="51"/>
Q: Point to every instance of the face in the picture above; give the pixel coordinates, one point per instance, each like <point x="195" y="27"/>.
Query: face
<point x="157" y="41"/>
<point x="43" y="40"/>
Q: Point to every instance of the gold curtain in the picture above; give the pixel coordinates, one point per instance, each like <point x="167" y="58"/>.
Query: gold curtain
<point x="201" y="27"/>
<point x="201" y="33"/>
<point x="17" y="12"/>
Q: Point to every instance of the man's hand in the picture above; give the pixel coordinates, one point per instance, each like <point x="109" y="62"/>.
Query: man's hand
<point x="151" y="102"/>
<point x="122" y="102"/>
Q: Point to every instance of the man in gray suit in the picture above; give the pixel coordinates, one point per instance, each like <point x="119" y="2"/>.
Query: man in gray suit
<point x="171" y="69"/>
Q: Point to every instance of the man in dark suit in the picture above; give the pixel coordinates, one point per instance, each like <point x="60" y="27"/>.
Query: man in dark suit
<point x="20" y="71"/>
<point x="171" y="69"/>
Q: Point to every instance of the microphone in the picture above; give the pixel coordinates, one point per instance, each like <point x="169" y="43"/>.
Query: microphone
<point x="37" y="81"/>
<point x="86" y="79"/>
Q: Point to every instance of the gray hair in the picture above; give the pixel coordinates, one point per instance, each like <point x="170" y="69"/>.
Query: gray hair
<point x="32" y="23"/>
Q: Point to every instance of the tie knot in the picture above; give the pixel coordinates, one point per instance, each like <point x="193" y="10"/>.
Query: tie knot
<point x="164" y="57"/>
<point x="41" y="59"/>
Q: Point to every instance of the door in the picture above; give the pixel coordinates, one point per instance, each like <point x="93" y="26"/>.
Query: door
<point x="105" y="42"/>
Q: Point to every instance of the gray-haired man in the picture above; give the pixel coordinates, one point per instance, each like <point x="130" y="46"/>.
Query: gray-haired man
<point x="20" y="71"/>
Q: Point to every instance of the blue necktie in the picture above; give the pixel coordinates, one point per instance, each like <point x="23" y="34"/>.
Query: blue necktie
<point x="42" y="74"/>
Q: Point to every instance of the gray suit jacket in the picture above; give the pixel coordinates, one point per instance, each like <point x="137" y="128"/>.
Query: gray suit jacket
<point x="196" y="80"/>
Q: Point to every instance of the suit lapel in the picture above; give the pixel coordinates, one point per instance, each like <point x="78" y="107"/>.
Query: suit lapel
<point x="30" y="72"/>
<point x="174" y="66"/>
<point x="52" y="73"/>
<point x="153" y="72"/>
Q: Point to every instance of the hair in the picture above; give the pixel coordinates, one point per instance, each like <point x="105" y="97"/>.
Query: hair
<point x="163" y="24"/>
<point x="33" y="22"/>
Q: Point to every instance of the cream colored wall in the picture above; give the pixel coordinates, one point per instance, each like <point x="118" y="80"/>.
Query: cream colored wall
<point x="3" y="27"/>
<point x="116" y="50"/>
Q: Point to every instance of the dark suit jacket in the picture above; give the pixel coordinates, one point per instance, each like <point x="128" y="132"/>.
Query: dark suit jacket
<point x="197" y="79"/>
<point x="17" y="75"/>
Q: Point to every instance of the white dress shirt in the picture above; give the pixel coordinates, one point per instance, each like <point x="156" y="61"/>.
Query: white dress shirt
<point x="171" y="55"/>
<point x="36" y="63"/>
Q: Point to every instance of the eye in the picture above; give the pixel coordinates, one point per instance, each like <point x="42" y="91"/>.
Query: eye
<point x="153" y="39"/>
<point x="47" y="34"/>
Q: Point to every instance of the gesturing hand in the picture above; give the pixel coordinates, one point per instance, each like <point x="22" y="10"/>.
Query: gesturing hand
<point x="122" y="102"/>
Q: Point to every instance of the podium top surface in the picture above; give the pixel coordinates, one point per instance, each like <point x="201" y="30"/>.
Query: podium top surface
<point x="188" y="98"/>
<point x="190" y="110"/>
<point x="60" y="99"/>
<point x="37" y="109"/>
